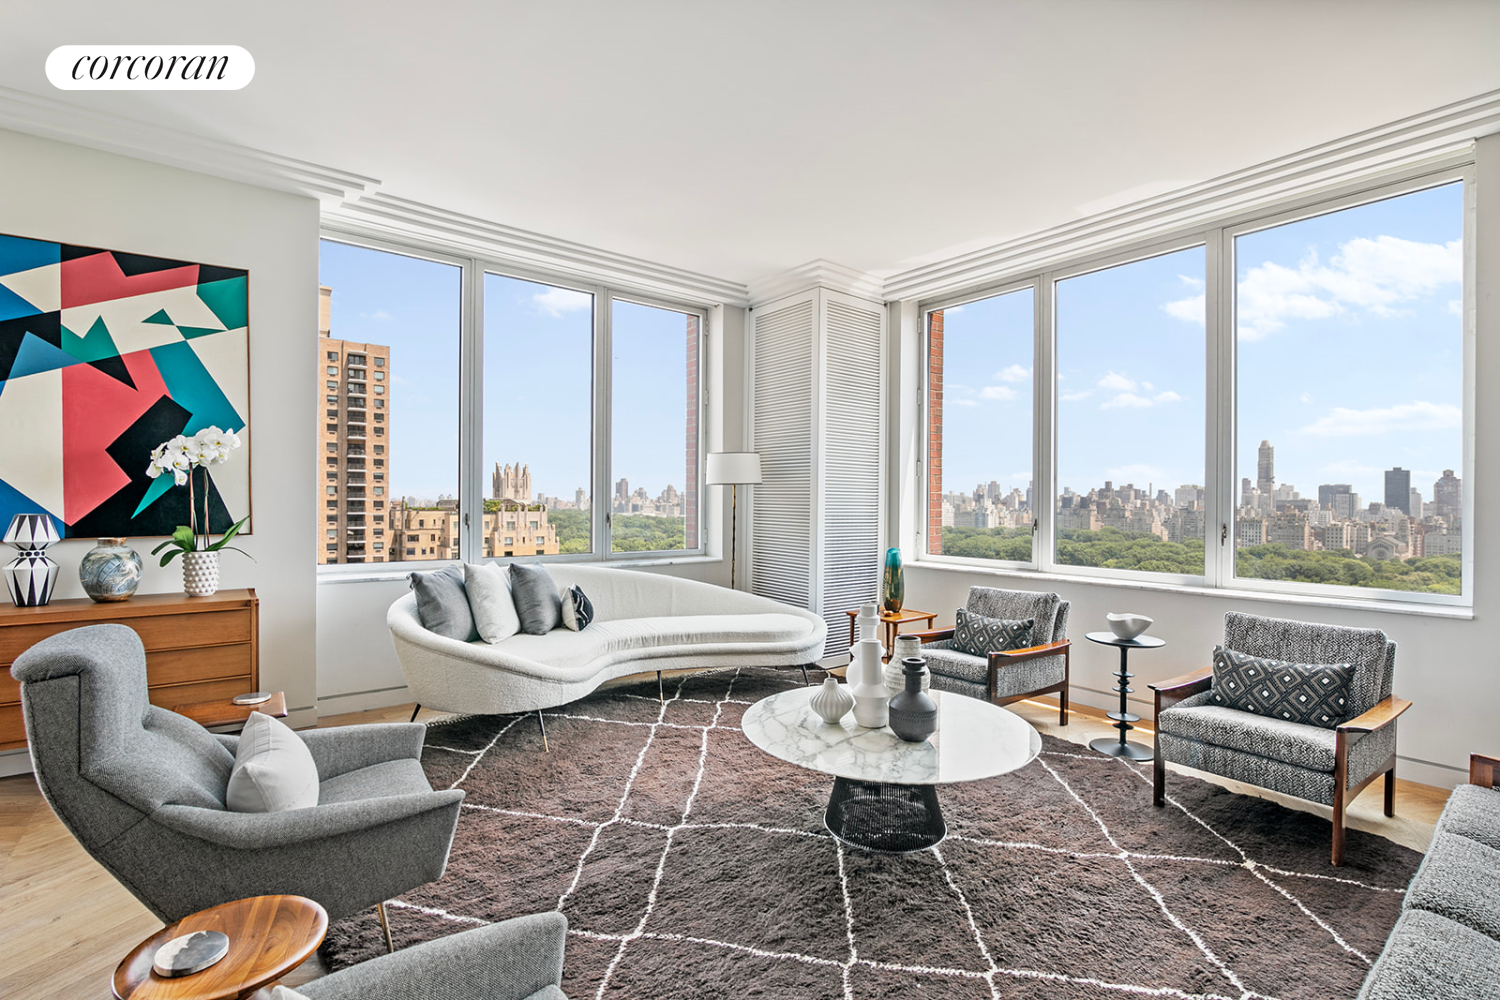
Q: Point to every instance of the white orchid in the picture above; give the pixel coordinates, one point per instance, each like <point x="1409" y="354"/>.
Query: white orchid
<point x="182" y="456"/>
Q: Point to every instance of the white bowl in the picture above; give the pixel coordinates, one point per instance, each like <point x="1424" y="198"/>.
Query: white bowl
<point x="1126" y="625"/>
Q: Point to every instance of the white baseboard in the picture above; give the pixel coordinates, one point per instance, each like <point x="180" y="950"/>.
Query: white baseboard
<point x="363" y="701"/>
<point x="15" y="762"/>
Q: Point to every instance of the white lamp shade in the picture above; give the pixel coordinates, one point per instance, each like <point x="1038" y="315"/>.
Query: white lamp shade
<point x="726" y="468"/>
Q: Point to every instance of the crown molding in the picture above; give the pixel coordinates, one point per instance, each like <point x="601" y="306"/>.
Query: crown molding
<point x="1427" y="141"/>
<point x="385" y="215"/>
<point x="51" y="118"/>
<point x="818" y="273"/>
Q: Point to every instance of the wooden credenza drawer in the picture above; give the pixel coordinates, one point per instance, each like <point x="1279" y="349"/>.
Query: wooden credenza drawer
<point x="197" y="648"/>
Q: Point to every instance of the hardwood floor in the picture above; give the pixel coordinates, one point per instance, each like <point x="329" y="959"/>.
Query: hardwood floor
<point x="66" y="923"/>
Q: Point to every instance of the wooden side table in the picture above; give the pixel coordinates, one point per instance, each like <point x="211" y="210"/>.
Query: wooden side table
<point x="224" y="712"/>
<point x="892" y="622"/>
<point x="269" y="936"/>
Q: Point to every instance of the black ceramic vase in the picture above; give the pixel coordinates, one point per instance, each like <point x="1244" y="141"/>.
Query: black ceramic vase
<point x="913" y="712"/>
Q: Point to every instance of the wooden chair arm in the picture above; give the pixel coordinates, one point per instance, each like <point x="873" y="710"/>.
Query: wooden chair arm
<point x="1185" y="686"/>
<point x="932" y="636"/>
<point x="1482" y="770"/>
<point x="1031" y="652"/>
<point x="1379" y="717"/>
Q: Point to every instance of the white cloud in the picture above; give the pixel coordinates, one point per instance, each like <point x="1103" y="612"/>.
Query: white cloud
<point x="1418" y="416"/>
<point x="556" y="301"/>
<point x="1166" y="397"/>
<point x="1001" y="392"/>
<point x="380" y="315"/>
<point x="1116" y="382"/>
<point x="1190" y="310"/>
<point x="1125" y="399"/>
<point x="1068" y="397"/>
<point x="1456" y="307"/>
<point x="1375" y="275"/>
<point x="961" y="402"/>
<point x="1014" y="373"/>
<point x="1148" y="387"/>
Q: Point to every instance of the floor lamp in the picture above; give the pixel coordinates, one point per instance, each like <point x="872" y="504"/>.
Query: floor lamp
<point x="733" y="468"/>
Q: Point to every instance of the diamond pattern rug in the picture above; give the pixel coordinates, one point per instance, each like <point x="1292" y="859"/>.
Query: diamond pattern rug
<point x="691" y="864"/>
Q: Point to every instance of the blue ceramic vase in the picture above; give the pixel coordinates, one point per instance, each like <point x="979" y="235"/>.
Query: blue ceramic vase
<point x="893" y="584"/>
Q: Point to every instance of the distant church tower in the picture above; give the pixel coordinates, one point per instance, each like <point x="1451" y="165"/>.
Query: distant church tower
<point x="1265" y="468"/>
<point x="513" y="482"/>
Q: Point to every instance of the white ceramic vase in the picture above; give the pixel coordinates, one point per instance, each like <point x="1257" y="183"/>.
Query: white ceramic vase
<point x="895" y="681"/>
<point x="871" y="699"/>
<point x="200" y="573"/>
<point x="832" y="701"/>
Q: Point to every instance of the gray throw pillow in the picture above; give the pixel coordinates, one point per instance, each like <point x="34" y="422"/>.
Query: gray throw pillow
<point x="537" y="601"/>
<point x="1314" y="694"/>
<point x="443" y="604"/>
<point x="979" y="635"/>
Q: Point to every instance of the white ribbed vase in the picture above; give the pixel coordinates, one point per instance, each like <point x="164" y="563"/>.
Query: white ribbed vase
<point x="832" y="701"/>
<point x="200" y="573"/>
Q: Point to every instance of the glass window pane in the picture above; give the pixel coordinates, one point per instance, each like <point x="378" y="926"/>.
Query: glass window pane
<point x="980" y="421"/>
<point x="1349" y="360"/>
<point x="538" y="418"/>
<point x="402" y="313"/>
<point x="1130" y="416"/>
<point x="654" y="429"/>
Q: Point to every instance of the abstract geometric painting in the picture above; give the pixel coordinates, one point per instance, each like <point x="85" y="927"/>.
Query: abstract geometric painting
<point x="103" y="356"/>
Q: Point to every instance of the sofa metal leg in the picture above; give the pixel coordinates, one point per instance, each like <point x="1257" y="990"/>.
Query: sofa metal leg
<point x="805" y="681"/>
<point x="1390" y="792"/>
<point x="385" y="925"/>
<point x="414" y="713"/>
<point x="661" y="692"/>
<point x="543" y="723"/>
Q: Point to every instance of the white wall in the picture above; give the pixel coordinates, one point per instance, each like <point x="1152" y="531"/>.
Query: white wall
<point x="357" y="666"/>
<point x="56" y="191"/>
<point x="1444" y="665"/>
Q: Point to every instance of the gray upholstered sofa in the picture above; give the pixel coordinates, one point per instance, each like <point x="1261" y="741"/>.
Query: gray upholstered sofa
<point x="1446" y="946"/>
<point x="519" y="959"/>
<point x="143" y="790"/>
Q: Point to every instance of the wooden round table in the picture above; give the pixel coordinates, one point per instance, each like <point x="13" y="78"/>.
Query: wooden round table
<point x="269" y="936"/>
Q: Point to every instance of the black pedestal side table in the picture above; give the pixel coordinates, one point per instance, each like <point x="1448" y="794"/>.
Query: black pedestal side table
<point x="1123" y="719"/>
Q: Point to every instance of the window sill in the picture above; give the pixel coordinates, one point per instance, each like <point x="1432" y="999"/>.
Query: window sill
<point x="391" y="576"/>
<point x="1379" y="605"/>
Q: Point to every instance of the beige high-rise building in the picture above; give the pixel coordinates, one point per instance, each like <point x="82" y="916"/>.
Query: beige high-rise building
<point x="353" y="445"/>
<point x="511" y="528"/>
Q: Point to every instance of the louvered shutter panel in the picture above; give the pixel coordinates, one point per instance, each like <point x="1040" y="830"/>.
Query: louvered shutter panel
<point x="781" y="528"/>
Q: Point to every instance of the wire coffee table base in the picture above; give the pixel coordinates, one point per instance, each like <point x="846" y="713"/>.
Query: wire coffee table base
<point x="891" y="819"/>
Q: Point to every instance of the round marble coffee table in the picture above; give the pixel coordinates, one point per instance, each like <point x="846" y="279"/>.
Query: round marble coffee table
<point x="885" y="789"/>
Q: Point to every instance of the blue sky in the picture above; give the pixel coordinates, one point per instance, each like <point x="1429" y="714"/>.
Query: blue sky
<point x="538" y="362"/>
<point x="1349" y="360"/>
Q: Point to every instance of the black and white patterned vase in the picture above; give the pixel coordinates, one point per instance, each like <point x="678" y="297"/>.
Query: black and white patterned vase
<point x="31" y="576"/>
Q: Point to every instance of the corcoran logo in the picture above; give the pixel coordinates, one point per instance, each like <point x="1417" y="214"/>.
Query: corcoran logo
<point x="150" y="67"/>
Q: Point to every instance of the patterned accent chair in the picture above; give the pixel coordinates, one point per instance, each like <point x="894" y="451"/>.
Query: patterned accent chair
<point x="1330" y="766"/>
<point x="1011" y="675"/>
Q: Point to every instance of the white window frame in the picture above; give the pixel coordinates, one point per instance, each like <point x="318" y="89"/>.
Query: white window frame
<point x="471" y="472"/>
<point x="1220" y="409"/>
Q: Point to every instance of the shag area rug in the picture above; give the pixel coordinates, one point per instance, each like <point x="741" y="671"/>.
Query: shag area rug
<point x="691" y="864"/>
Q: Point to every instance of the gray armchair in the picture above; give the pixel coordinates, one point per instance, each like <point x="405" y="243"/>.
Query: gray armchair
<point x="519" y="959"/>
<point x="1011" y="675"/>
<point x="143" y="789"/>
<point x="1330" y="766"/>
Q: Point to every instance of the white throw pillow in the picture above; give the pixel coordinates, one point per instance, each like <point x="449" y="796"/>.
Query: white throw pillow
<point x="494" y="609"/>
<point x="282" y="993"/>
<point x="273" y="769"/>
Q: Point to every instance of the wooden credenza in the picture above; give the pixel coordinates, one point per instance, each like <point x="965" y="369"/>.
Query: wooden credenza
<point x="197" y="648"/>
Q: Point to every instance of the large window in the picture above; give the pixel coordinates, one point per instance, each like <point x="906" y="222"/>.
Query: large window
<point x="470" y="414"/>
<point x="538" y="418"/>
<point x="1349" y="345"/>
<point x="388" y="378"/>
<point x="1275" y="403"/>
<point x="1130" y="376"/>
<point x="980" y="397"/>
<point x="653" y="428"/>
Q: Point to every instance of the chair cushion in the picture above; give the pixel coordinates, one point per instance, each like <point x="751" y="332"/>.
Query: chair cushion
<point x="1049" y="610"/>
<point x="273" y="769"/>
<point x="1429" y="957"/>
<point x="495" y="615"/>
<point x="391" y="777"/>
<point x="1011" y="679"/>
<point x="980" y="635"/>
<point x="566" y="651"/>
<point x="442" y="604"/>
<point x="1308" y="642"/>
<point x="1309" y="747"/>
<point x="1473" y="812"/>
<point x="1313" y="694"/>
<point x="1459" y="879"/>
<point x="536" y="598"/>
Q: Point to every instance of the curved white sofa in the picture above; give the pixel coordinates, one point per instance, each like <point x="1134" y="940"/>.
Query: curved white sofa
<point x="642" y="622"/>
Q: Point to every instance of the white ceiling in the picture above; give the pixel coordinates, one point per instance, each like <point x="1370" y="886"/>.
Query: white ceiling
<point x="741" y="139"/>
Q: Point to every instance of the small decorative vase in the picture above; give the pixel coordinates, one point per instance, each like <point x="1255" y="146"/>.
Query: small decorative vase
<point x="200" y="573"/>
<point x="870" y="696"/>
<point x="906" y="646"/>
<point x="31" y="576"/>
<point x="893" y="585"/>
<point x="832" y="701"/>
<point x="913" y="713"/>
<point x="110" y="571"/>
